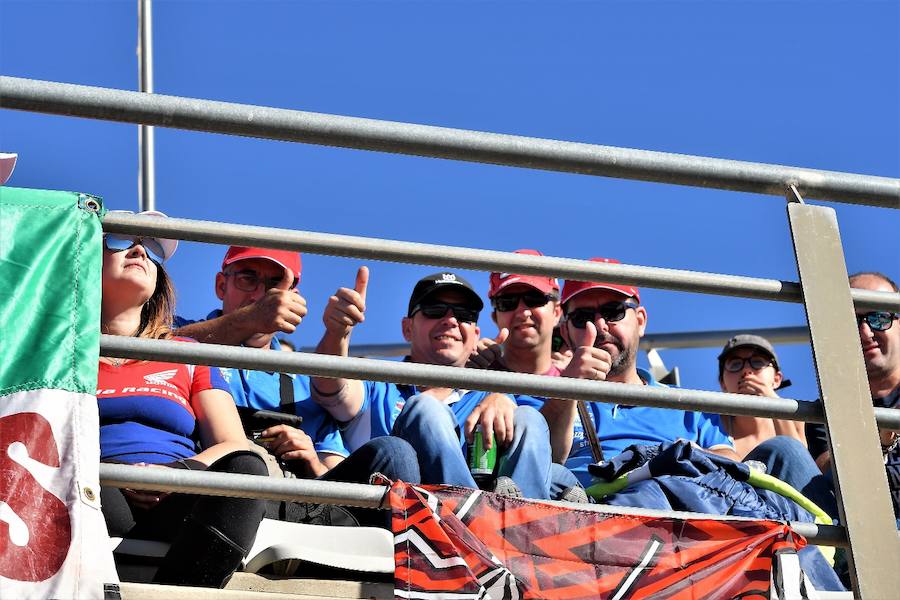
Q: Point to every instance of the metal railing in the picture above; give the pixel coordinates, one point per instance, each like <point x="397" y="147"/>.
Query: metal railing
<point x="873" y="547"/>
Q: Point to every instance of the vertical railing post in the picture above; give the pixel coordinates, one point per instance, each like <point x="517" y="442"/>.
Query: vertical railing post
<point x="861" y="486"/>
<point x="146" y="133"/>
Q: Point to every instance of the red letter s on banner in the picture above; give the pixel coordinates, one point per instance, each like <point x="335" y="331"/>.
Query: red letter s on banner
<point x="45" y="516"/>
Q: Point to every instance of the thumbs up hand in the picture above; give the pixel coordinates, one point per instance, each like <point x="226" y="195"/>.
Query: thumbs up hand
<point x="587" y="361"/>
<point x="347" y="307"/>
<point x="488" y="351"/>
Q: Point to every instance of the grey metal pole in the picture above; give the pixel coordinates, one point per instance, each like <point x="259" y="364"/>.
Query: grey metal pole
<point x="471" y="379"/>
<point x="861" y="486"/>
<point x="473" y="258"/>
<point x="356" y="494"/>
<point x="659" y="341"/>
<point x="441" y="142"/>
<point x="146" y="133"/>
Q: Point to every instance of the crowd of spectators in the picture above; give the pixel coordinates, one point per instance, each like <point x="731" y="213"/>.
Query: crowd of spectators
<point x="348" y="430"/>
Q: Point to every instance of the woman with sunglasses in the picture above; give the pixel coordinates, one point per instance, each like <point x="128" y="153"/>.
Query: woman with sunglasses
<point x="168" y="415"/>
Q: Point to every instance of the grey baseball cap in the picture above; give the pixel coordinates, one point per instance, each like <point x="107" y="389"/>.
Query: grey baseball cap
<point x="748" y="340"/>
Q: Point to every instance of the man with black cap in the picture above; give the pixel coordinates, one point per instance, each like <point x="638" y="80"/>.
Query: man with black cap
<point x="748" y="365"/>
<point x="441" y="325"/>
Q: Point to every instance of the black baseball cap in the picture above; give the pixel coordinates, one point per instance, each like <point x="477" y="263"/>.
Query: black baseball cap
<point x="439" y="281"/>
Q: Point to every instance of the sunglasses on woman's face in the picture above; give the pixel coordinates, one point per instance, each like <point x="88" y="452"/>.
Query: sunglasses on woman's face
<point x="877" y="320"/>
<point x="509" y="302"/>
<point x="609" y="312"/>
<point x="437" y="310"/>
<point x="117" y="243"/>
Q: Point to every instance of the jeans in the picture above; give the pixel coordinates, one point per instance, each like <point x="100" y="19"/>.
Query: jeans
<point x="431" y="428"/>
<point x="790" y="461"/>
<point x="392" y="457"/>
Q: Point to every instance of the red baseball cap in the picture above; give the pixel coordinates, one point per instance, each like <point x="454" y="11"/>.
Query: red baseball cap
<point x="285" y="259"/>
<point x="499" y="281"/>
<point x="573" y="288"/>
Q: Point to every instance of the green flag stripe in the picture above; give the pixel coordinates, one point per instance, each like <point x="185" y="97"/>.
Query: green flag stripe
<point x="50" y="268"/>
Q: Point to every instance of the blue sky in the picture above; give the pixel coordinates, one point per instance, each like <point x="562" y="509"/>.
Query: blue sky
<point x="803" y="83"/>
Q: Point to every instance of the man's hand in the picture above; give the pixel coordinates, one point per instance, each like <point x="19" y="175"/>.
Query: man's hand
<point x="281" y="309"/>
<point x="752" y="385"/>
<point x="587" y="361"/>
<point x="488" y="351"/>
<point x="495" y="415"/>
<point x="347" y="308"/>
<point x="292" y="444"/>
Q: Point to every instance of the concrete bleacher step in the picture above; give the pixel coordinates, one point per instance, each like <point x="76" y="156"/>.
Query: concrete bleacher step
<point x="250" y="586"/>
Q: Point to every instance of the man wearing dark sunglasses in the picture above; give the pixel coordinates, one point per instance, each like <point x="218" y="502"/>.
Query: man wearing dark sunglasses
<point x="879" y="336"/>
<point x="526" y="309"/>
<point x="603" y="324"/>
<point x="441" y="325"/>
<point x="749" y="365"/>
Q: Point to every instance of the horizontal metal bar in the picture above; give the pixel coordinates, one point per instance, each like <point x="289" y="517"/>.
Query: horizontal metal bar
<point x="235" y="485"/>
<point x="355" y="494"/>
<point x="468" y="258"/>
<point x="472" y="379"/>
<point x="659" y="341"/>
<point x="441" y="142"/>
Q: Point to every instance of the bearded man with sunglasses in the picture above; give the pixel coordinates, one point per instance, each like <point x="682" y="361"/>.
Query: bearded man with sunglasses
<point x="879" y="335"/>
<point x="603" y="324"/>
<point x="441" y="325"/>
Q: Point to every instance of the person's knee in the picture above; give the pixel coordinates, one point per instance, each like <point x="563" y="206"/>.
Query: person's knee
<point x="393" y="457"/>
<point x="527" y="418"/>
<point x="425" y="412"/>
<point x="243" y="461"/>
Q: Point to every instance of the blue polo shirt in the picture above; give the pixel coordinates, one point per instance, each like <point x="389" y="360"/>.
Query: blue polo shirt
<point x="382" y="403"/>
<point x="620" y="426"/>
<point x="262" y="390"/>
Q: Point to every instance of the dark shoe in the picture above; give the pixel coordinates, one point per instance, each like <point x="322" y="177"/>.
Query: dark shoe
<point x="201" y="556"/>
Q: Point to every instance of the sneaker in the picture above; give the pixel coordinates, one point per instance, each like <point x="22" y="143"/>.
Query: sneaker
<point x="574" y="494"/>
<point x="504" y="486"/>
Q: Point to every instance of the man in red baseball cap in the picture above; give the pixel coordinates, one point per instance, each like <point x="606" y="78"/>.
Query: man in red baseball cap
<point x="526" y="310"/>
<point x="257" y="287"/>
<point x="603" y="324"/>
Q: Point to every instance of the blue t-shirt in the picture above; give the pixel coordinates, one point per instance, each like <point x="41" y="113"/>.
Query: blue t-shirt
<point x="262" y="390"/>
<point x="148" y="409"/>
<point x="621" y="426"/>
<point x="382" y="403"/>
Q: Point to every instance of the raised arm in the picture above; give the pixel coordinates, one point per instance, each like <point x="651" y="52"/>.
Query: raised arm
<point x="342" y="398"/>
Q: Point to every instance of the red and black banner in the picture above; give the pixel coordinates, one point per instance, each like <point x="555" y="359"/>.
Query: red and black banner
<point x="458" y="543"/>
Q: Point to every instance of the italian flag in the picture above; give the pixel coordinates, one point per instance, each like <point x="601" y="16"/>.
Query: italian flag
<point x="53" y="540"/>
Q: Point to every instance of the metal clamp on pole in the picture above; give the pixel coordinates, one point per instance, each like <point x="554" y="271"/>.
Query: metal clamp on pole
<point x="860" y="482"/>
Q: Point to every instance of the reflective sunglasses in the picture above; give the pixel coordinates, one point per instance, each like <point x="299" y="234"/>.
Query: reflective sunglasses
<point x="877" y="320"/>
<point x="249" y="280"/>
<point x="509" y="302"/>
<point x="610" y="312"/>
<point x="463" y="314"/>
<point x="117" y="243"/>
<point x="736" y="364"/>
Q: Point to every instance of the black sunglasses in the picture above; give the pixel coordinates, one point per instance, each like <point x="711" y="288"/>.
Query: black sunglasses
<point x="736" y="363"/>
<point x="436" y="310"/>
<point x="877" y="320"/>
<point x="610" y="312"/>
<point x="508" y="302"/>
